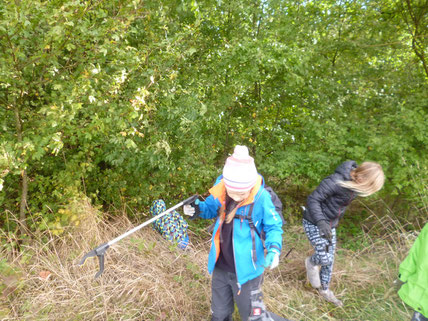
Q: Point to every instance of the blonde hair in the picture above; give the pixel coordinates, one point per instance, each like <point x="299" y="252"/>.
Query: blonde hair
<point x="232" y="213"/>
<point x="366" y="179"/>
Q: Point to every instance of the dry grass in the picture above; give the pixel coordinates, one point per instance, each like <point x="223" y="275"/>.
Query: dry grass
<point x="146" y="278"/>
<point x="363" y="279"/>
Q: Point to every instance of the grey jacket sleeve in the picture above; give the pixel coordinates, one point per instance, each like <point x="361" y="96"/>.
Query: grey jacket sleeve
<point x="326" y="189"/>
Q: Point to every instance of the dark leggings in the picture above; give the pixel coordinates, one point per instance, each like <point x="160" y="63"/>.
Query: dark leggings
<point x="418" y="317"/>
<point x="324" y="251"/>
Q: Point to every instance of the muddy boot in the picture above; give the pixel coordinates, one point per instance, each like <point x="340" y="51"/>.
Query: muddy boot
<point x="313" y="273"/>
<point x="329" y="296"/>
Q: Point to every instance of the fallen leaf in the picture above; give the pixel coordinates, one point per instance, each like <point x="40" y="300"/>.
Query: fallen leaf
<point x="45" y="275"/>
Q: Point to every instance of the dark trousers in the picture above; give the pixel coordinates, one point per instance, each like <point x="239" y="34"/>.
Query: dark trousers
<point x="418" y="317"/>
<point x="250" y="304"/>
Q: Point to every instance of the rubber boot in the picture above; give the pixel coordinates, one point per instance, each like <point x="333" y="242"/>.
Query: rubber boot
<point x="330" y="297"/>
<point x="313" y="273"/>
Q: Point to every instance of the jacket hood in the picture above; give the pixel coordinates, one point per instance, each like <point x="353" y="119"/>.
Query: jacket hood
<point x="345" y="168"/>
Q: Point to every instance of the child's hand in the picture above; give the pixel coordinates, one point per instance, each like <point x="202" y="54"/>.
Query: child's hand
<point x="192" y="209"/>
<point x="325" y="230"/>
<point x="188" y="210"/>
<point x="398" y="283"/>
<point x="271" y="259"/>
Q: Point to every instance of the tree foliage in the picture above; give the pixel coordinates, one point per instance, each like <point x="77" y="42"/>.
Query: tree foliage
<point x="127" y="101"/>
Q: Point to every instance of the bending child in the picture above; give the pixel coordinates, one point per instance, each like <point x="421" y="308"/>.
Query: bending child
<point x="236" y="259"/>
<point x="325" y="207"/>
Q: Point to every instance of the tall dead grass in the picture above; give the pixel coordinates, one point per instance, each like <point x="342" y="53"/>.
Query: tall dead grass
<point x="147" y="278"/>
<point x="364" y="279"/>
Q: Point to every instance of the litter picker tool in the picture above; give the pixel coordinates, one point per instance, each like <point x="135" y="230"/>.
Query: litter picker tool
<point x="101" y="250"/>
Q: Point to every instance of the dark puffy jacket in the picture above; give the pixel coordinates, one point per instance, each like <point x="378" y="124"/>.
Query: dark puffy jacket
<point x="329" y="200"/>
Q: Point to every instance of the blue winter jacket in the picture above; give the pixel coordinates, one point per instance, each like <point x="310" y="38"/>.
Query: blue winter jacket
<point x="264" y="217"/>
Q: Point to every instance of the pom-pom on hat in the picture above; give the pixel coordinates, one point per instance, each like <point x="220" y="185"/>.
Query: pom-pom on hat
<point x="239" y="172"/>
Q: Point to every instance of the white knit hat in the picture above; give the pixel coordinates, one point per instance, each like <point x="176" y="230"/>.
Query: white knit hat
<point x="239" y="172"/>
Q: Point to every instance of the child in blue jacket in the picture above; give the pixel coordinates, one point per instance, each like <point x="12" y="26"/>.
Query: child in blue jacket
<point x="237" y="259"/>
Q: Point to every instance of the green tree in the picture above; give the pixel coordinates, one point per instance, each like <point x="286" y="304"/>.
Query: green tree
<point x="128" y="101"/>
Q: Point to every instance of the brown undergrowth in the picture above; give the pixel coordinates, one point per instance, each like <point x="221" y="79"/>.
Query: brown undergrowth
<point x="148" y="278"/>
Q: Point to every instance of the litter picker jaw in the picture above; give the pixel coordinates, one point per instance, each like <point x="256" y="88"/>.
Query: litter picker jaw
<point x="98" y="252"/>
<point x="101" y="250"/>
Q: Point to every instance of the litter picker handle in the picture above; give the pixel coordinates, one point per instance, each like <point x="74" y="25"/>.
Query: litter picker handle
<point x="100" y="250"/>
<point x="190" y="200"/>
<point x="195" y="205"/>
<point x="194" y="201"/>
